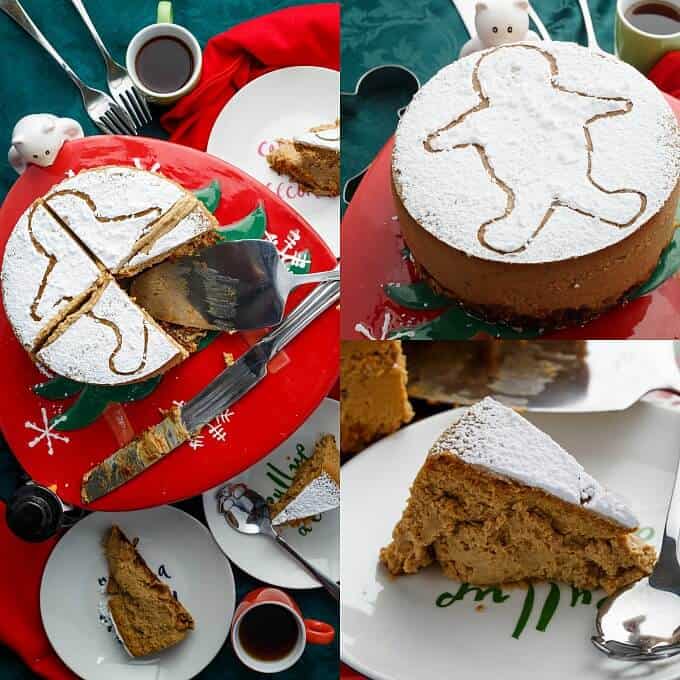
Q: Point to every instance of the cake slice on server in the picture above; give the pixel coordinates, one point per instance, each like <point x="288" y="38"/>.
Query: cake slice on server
<point x="498" y="501"/>
<point x="315" y="488"/>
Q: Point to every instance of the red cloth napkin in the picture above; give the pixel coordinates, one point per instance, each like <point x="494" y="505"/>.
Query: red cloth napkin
<point x="21" y="569"/>
<point x="666" y="74"/>
<point x="308" y="35"/>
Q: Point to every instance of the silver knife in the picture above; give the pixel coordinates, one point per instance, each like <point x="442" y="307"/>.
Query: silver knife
<point x="466" y="10"/>
<point x="181" y="422"/>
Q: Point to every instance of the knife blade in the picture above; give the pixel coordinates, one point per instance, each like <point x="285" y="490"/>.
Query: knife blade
<point x="226" y="389"/>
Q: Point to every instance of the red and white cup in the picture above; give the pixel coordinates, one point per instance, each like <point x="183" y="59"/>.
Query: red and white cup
<point x="309" y="630"/>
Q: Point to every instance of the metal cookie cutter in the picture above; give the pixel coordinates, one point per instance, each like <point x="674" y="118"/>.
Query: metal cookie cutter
<point x="378" y="79"/>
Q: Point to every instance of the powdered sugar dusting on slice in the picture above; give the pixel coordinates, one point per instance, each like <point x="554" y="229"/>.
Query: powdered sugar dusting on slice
<point x="498" y="439"/>
<point x="113" y="343"/>
<point x="111" y="208"/>
<point x="320" y="495"/>
<point x="197" y="222"/>
<point x="533" y="140"/>
<point x="34" y="295"/>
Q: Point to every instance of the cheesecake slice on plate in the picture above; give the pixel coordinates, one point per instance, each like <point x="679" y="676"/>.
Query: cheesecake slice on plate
<point x="497" y="501"/>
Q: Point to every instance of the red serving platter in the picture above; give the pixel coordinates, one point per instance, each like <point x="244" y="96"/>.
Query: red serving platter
<point x="372" y="254"/>
<point x="254" y="426"/>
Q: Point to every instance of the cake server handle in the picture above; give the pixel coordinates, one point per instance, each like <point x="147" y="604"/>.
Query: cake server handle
<point x="331" y="587"/>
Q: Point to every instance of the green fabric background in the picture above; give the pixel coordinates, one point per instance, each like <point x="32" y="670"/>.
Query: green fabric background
<point x="424" y="36"/>
<point x="30" y="82"/>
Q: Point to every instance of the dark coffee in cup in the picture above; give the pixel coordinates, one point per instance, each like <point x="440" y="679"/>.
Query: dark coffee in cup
<point x="268" y="632"/>
<point x="164" y="64"/>
<point x="656" y="18"/>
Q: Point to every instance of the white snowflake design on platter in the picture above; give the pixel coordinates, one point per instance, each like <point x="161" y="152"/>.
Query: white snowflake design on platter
<point x="366" y="332"/>
<point x="290" y="254"/>
<point x="46" y="431"/>
<point x="215" y="429"/>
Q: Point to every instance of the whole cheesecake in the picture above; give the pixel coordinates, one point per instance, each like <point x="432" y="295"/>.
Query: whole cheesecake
<point x="536" y="183"/>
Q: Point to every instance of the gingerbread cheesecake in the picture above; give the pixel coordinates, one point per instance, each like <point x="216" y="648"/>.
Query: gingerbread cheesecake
<point x="373" y="401"/>
<point x="146" y="615"/>
<point x="315" y="488"/>
<point x="67" y="267"/>
<point x="497" y="501"/>
<point x="312" y="159"/>
<point x="537" y="183"/>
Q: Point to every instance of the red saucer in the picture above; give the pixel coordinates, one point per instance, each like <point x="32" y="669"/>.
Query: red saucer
<point x="372" y="253"/>
<point x="258" y="423"/>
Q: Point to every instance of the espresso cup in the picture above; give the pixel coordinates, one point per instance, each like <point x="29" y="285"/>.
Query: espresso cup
<point x="636" y="47"/>
<point x="308" y="630"/>
<point x="164" y="30"/>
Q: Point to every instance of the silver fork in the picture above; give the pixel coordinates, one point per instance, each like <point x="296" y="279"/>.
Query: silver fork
<point x="120" y="84"/>
<point x="104" y="112"/>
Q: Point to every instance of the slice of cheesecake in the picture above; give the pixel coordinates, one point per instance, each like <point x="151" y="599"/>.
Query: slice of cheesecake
<point x="373" y="399"/>
<point x="146" y="615"/>
<point x="312" y="159"/>
<point x="498" y="501"/>
<point x="315" y="487"/>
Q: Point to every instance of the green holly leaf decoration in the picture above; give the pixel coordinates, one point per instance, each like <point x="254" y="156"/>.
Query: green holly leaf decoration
<point x="93" y="399"/>
<point x="456" y="324"/>
<point x="251" y="226"/>
<point x="210" y="195"/>
<point x="669" y="264"/>
<point x="415" y="296"/>
<point x="58" y="388"/>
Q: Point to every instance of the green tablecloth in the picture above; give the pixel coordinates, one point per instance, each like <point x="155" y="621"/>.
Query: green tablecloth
<point x="31" y="83"/>
<point x="424" y="36"/>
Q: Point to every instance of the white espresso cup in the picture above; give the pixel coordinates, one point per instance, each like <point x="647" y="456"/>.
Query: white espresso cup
<point x="637" y="47"/>
<point x="163" y="30"/>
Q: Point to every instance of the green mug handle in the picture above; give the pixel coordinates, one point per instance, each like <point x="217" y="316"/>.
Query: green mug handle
<point x="164" y="12"/>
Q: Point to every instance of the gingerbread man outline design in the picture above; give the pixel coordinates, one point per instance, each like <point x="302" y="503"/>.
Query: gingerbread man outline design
<point x="526" y="211"/>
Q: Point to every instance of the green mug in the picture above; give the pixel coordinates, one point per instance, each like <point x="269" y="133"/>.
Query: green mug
<point x="636" y="47"/>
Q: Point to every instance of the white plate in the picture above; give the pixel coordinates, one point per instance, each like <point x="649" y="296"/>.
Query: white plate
<point x="392" y="629"/>
<point x="281" y="104"/>
<point x="259" y="556"/>
<point x="71" y="593"/>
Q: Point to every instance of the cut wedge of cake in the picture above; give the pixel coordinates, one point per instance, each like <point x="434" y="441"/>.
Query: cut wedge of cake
<point x="373" y="392"/>
<point x="66" y="253"/>
<point x="315" y="487"/>
<point x="110" y="341"/>
<point x="312" y="159"/>
<point x="497" y="501"/>
<point x="146" y="615"/>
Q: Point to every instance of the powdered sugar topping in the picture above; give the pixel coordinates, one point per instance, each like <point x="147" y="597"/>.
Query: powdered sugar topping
<point x="320" y="495"/>
<point x="112" y="343"/>
<point x="498" y="439"/>
<point x="536" y="152"/>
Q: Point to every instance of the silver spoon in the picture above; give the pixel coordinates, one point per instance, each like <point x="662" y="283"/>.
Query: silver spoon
<point x="642" y="621"/>
<point x="247" y="511"/>
<point x="242" y="285"/>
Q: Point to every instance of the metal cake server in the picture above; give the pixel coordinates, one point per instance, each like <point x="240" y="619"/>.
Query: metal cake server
<point x="226" y="389"/>
<point x="546" y="376"/>
<point x="247" y="511"/>
<point x="642" y="621"/>
<point x="239" y="285"/>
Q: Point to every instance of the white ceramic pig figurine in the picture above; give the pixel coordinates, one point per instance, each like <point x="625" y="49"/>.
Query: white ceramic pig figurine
<point x="499" y="22"/>
<point x="38" y="138"/>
